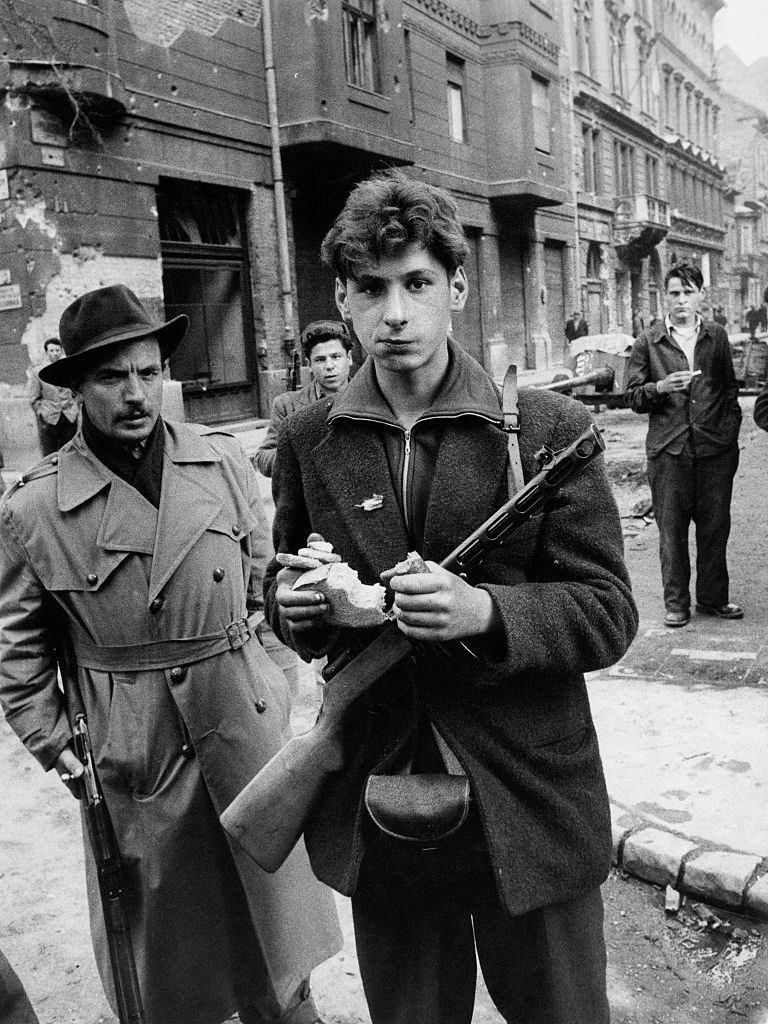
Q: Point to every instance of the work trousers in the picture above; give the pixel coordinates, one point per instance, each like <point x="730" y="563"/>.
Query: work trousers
<point x="418" y="916"/>
<point x="687" y="488"/>
<point x="54" y="435"/>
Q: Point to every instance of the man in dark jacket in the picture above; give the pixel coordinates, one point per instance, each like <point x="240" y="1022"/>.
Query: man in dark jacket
<point x="681" y="374"/>
<point x="576" y="327"/>
<point x="327" y="347"/>
<point x="419" y="426"/>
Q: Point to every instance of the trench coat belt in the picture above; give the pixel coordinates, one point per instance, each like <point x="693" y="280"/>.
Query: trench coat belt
<point x="161" y="654"/>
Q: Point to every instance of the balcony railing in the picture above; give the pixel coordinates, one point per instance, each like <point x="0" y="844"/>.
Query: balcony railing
<point x="640" y="221"/>
<point x="642" y="209"/>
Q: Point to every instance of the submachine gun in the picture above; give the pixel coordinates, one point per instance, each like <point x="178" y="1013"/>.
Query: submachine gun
<point x="269" y="815"/>
<point x="106" y="854"/>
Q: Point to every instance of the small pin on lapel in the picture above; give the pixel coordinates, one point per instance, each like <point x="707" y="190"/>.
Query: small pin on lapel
<point x="372" y="503"/>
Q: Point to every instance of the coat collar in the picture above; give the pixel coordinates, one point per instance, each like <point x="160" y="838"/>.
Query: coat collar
<point x="659" y="331"/>
<point x="467" y="390"/>
<point x="81" y="475"/>
<point x="129" y="522"/>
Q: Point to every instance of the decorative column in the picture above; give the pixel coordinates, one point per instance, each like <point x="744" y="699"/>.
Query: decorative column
<point x="536" y="302"/>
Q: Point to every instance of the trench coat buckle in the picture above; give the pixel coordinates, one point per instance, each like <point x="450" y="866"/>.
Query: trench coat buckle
<point x="238" y="633"/>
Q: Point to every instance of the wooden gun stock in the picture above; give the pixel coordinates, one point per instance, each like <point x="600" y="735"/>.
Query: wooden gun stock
<point x="268" y="817"/>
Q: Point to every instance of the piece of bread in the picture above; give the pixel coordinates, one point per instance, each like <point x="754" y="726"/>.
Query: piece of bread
<point x="413" y="562"/>
<point x="350" y="602"/>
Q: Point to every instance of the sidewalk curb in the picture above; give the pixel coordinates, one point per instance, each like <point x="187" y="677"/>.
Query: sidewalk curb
<point x="704" y="871"/>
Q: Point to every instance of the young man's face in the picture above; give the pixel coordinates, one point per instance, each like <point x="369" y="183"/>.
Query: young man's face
<point x="123" y="393"/>
<point x="683" y="302"/>
<point x="330" y="364"/>
<point x="401" y="308"/>
<point x="53" y="351"/>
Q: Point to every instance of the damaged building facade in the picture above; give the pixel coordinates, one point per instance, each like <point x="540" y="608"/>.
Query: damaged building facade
<point x="148" y="143"/>
<point x="198" y="151"/>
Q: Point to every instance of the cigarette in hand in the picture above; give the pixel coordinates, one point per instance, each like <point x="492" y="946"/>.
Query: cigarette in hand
<point x="695" y="373"/>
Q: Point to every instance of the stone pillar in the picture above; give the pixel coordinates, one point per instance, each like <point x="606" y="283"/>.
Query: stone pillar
<point x="497" y="353"/>
<point x="536" y="302"/>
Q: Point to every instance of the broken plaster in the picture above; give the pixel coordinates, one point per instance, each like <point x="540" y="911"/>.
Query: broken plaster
<point x="81" y="272"/>
<point x="162" y="21"/>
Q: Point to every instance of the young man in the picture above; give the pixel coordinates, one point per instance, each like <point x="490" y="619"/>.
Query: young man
<point x="419" y="425"/>
<point x="141" y="542"/>
<point x="56" y="408"/>
<point x="327" y="347"/>
<point x="681" y="374"/>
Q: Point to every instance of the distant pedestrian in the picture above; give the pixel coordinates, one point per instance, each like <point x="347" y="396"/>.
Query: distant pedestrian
<point x="638" y="325"/>
<point x="576" y="327"/>
<point x="753" y="321"/>
<point x="681" y="374"/>
<point x="15" y="1007"/>
<point x="763" y="323"/>
<point x="327" y="347"/>
<point x="56" y="408"/>
<point x="720" y="317"/>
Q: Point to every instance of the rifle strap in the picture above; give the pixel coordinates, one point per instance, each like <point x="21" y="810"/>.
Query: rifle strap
<point x="511" y="427"/>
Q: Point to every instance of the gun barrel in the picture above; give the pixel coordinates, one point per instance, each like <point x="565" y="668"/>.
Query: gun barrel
<point x="602" y="379"/>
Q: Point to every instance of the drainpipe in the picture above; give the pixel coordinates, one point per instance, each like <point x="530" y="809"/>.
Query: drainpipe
<point x="286" y="294"/>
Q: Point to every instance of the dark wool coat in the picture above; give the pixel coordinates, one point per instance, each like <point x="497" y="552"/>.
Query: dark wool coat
<point x="211" y="931"/>
<point x="522" y="728"/>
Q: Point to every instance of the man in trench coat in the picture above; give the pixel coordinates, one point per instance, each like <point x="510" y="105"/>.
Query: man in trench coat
<point x="144" y="537"/>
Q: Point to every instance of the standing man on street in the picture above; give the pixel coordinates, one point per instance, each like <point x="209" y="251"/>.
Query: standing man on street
<point x="327" y="347"/>
<point x="141" y="541"/>
<point x="576" y="327"/>
<point x="56" y="408"/>
<point x="681" y="374"/>
<point x="419" y="426"/>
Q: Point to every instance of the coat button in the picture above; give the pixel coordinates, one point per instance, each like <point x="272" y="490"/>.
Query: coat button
<point x="156" y="605"/>
<point x="188" y="751"/>
<point x="178" y="673"/>
<point x="219" y="574"/>
<point x="91" y="579"/>
<point x="54" y="460"/>
<point x="261" y="706"/>
<point x="236" y="529"/>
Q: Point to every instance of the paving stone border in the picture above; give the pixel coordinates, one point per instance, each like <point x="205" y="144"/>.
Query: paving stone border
<point x="725" y="878"/>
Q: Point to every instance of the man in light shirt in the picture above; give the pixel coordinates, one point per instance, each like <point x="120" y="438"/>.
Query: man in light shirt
<point x="681" y="374"/>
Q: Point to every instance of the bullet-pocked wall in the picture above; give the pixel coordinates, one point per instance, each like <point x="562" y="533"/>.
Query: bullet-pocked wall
<point x="112" y="114"/>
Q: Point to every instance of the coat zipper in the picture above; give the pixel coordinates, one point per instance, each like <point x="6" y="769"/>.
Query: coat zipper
<point x="406" y="467"/>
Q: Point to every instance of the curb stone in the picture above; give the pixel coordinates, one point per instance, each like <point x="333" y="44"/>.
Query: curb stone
<point x="726" y="878"/>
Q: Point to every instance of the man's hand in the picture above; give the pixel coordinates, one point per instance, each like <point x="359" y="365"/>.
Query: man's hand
<point x="300" y="610"/>
<point x="680" y="380"/>
<point x="439" y="605"/>
<point x="70" y="771"/>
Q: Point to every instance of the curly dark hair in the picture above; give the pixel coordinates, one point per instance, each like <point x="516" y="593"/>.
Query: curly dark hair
<point x="390" y="210"/>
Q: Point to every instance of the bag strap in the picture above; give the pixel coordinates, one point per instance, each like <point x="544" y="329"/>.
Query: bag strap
<point x="452" y="764"/>
<point x="511" y="427"/>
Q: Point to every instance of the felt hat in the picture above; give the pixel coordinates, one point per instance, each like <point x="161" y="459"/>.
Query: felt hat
<point x="102" y="319"/>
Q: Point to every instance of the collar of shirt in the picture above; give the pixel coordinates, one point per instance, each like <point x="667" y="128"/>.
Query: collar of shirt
<point x="683" y="332"/>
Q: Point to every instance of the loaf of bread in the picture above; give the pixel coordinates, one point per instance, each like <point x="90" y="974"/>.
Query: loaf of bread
<point x="350" y="602"/>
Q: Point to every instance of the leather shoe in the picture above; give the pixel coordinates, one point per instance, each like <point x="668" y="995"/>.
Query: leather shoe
<point x="721" y="611"/>
<point x="676" y="618"/>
